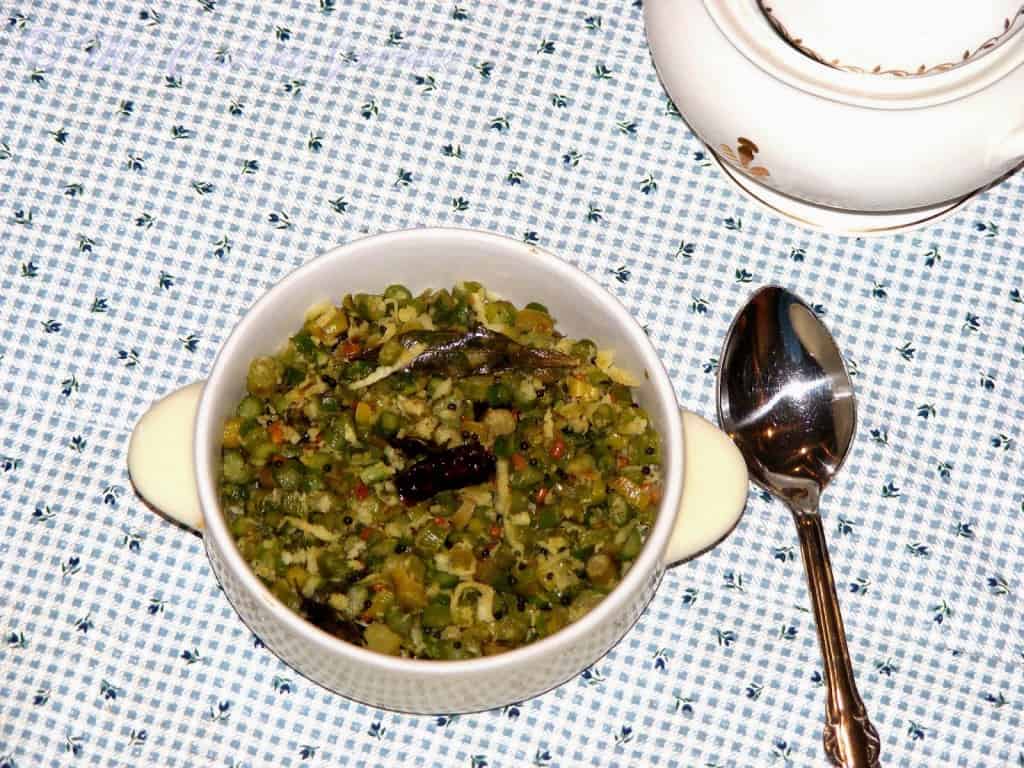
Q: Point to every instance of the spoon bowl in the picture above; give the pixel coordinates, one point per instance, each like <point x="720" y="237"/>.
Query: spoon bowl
<point x="786" y="398"/>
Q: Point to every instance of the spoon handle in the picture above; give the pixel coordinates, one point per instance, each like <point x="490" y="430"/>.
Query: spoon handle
<point x="850" y="739"/>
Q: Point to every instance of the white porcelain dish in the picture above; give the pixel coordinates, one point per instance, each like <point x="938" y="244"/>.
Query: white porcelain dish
<point x="851" y="138"/>
<point x="705" y="478"/>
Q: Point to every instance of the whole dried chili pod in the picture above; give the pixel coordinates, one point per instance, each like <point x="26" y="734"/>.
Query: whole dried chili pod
<point x="454" y="468"/>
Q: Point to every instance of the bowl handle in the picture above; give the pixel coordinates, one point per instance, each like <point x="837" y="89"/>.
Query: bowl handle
<point x="715" y="484"/>
<point x="160" y="461"/>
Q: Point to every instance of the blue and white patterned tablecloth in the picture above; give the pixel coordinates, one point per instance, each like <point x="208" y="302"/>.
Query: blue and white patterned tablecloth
<point x="162" y="163"/>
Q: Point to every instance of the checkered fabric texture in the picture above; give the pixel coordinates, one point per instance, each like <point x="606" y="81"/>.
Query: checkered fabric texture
<point x="163" y="163"/>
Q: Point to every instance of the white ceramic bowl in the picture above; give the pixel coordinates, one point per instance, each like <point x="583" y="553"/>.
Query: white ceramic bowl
<point x="713" y="471"/>
<point x="836" y="138"/>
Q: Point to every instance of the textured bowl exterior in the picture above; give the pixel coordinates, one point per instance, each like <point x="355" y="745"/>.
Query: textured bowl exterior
<point x="421" y="259"/>
<point x="875" y="153"/>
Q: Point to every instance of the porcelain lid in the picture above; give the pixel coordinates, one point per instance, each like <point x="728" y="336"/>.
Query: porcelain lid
<point x="899" y="38"/>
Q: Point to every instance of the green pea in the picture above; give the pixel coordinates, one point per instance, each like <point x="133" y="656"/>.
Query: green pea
<point x="264" y="376"/>
<point x="603" y="417"/>
<point x="436" y="616"/>
<point x="398" y="292"/>
<point x="287" y="476"/>
<point x="499" y="394"/>
<point x="504" y="446"/>
<point x="501" y="312"/>
<point x="584" y="349"/>
<point x="548" y="518"/>
<point x="390" y="352"/>
<point x="526" y="477"/>
<point x="235" y="468"/>
<point x="388" y="423"/>
<point x="398" y="621"/>
<point x="250" y="407"/>
<point x="632" y="546"/>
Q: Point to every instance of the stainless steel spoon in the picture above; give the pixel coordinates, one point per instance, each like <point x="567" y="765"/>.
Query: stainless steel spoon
<point x="786" y="399"/>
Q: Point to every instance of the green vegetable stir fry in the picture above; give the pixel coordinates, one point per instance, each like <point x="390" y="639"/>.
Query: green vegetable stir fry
<point x="442" y="476"/>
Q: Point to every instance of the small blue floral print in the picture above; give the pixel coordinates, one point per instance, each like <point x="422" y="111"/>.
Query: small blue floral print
<point x="785" y="554"/>
<point x="887" y="668"/>
<point x="17" y="641"/>
<point x="219" y="712"/>
<point x="915" y="731"/>
<point x="137" y="738"/>
<point x="499" y="123"/>
<point x="156" y="606"/>
<point x="591" y="676"/>
<point x="78" y="443"/>
<point x="682" y="705"/>
<point x="189" y="342"/>
<point x="753" y="691"/>
<point x="997" y="700"/>
<point x="279" y="219"/>
<point x="781" y="750"/>
<point x="661" y="657"/>
<point x="907" y="351"/>
<point x="997" y="585"/>
<point x="42" y="514"/>
<point x="377" y="730"/>
<point x="282" y="684"/>
<point x="890" y="491"/>
<point x="70" y="567"/>
<point x="926" y="411"/>
<point x="191" y="656"/>
<point x="9" y="463"/>
<point x="594" y="213"/>
<point x="860" y="585"/>
<point x="307" y="752"/>
<point x="443" y="721"/>
<point x="338" y="205"/>
<point x="108" y="690"/>
<point x="845" y="526"/>
<point x="531" y="237"/>
<point x="478" y="761"/>
<point x="941" y="612"/>
<point x="699" y="306"/>
<point x="733" y="581"/>
<point x="689" y="596"/>
<point x="733" y="223"/>
<point x="404" y="178"/>
<point x="73" y="744"/>
<point x="725" y="638"/>
<point x="798" y="254"/>
<point x="917" y="549"/>
<point x="988" y="228"/>
<point x="132" y="539"/>
<point x="41" y="696"/>
<point x="542" y="758"/>
<point x="165" y="281"/>
<point x="84" y="624"/>
<point x="622" y="274"/>
<point x="787" y="632"/>
<point x="624" y="736"/>
<point x="965" y="530"/>
<point x="1005" y="442"/>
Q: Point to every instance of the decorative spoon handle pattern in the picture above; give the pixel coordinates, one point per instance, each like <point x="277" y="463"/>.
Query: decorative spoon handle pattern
<point x="850" y="739"/>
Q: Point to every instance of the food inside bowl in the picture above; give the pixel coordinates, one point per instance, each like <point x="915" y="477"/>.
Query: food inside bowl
<point x="442" y="476"/>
